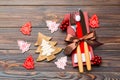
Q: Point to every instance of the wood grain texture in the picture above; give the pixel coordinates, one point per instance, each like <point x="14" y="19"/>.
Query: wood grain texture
<point x="14" y="13"/>
<point x="59" y="2"/>
<point x="23" y="14"/>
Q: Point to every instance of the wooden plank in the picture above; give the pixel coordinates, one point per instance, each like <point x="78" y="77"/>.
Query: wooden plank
<point x="40" y="22"/>
<point x="14" y="34"/>
<point x="59" y="2"/>
<point x="109" y="39"/>
<point x="28" y="10"/>
<point x="107" y="66"/>
<point x="14" y="46"/>
<point x="38" y="16"/>
<point x="60" y="75"/>
<point x="9" y="37"/>
<point x="110" y="59"/>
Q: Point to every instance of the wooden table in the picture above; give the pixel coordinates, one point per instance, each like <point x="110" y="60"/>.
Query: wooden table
<point x="14" y="13"/>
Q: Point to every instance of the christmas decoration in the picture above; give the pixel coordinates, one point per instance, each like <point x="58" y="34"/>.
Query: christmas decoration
<point x="65" y="23"/>
<point x="52" y="26"/>
<point x="29" y="63"/>
<point x="26" y="28"/>
<point x="61" y="62"/>
<point x="46" y="48"/>
<point x="24" y="46"/>
<point x="81" y="40"/>
<point x="94" y="22"/>
<point x="96" y="60"/>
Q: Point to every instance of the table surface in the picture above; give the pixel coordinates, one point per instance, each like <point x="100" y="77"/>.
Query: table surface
<point x="14" y="13"/>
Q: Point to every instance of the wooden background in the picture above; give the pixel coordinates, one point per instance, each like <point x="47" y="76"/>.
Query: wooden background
<point x="14" y="13"/>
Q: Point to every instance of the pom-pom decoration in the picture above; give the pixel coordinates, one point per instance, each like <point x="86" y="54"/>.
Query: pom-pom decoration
<point x="29" y="63"/>
<point x="65" y="22"/>
<point x="26" y="28"/>
<point x="96" y="60"/>
<point x="64" y="25"/>
<point x="94" y="22"/>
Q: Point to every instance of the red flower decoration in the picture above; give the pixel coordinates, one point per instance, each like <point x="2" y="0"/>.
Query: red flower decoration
<point x="97" y="60"/>
<point x="26" y="28"/>
<point x="29" y="63"/>
<point x="94" y="22"/>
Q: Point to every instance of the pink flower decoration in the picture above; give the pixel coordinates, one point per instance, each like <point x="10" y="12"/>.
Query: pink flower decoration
<point x="24" y="46"/>
<point x="61" y="63"/>
<point x="52" y="25"/>
<point x="94" y="22"/>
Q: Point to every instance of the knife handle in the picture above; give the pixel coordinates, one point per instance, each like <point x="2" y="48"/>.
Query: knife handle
<point x="79" y="57"/>
<point x="87" y="56"/>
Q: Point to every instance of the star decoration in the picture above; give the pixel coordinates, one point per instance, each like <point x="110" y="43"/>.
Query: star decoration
<point x="61" y="63"/>
<point x="52" y="26"/>
<point x="24" y="46"/>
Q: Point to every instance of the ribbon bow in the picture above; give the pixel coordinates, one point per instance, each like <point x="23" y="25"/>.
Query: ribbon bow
<point x="90" y="38"/>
